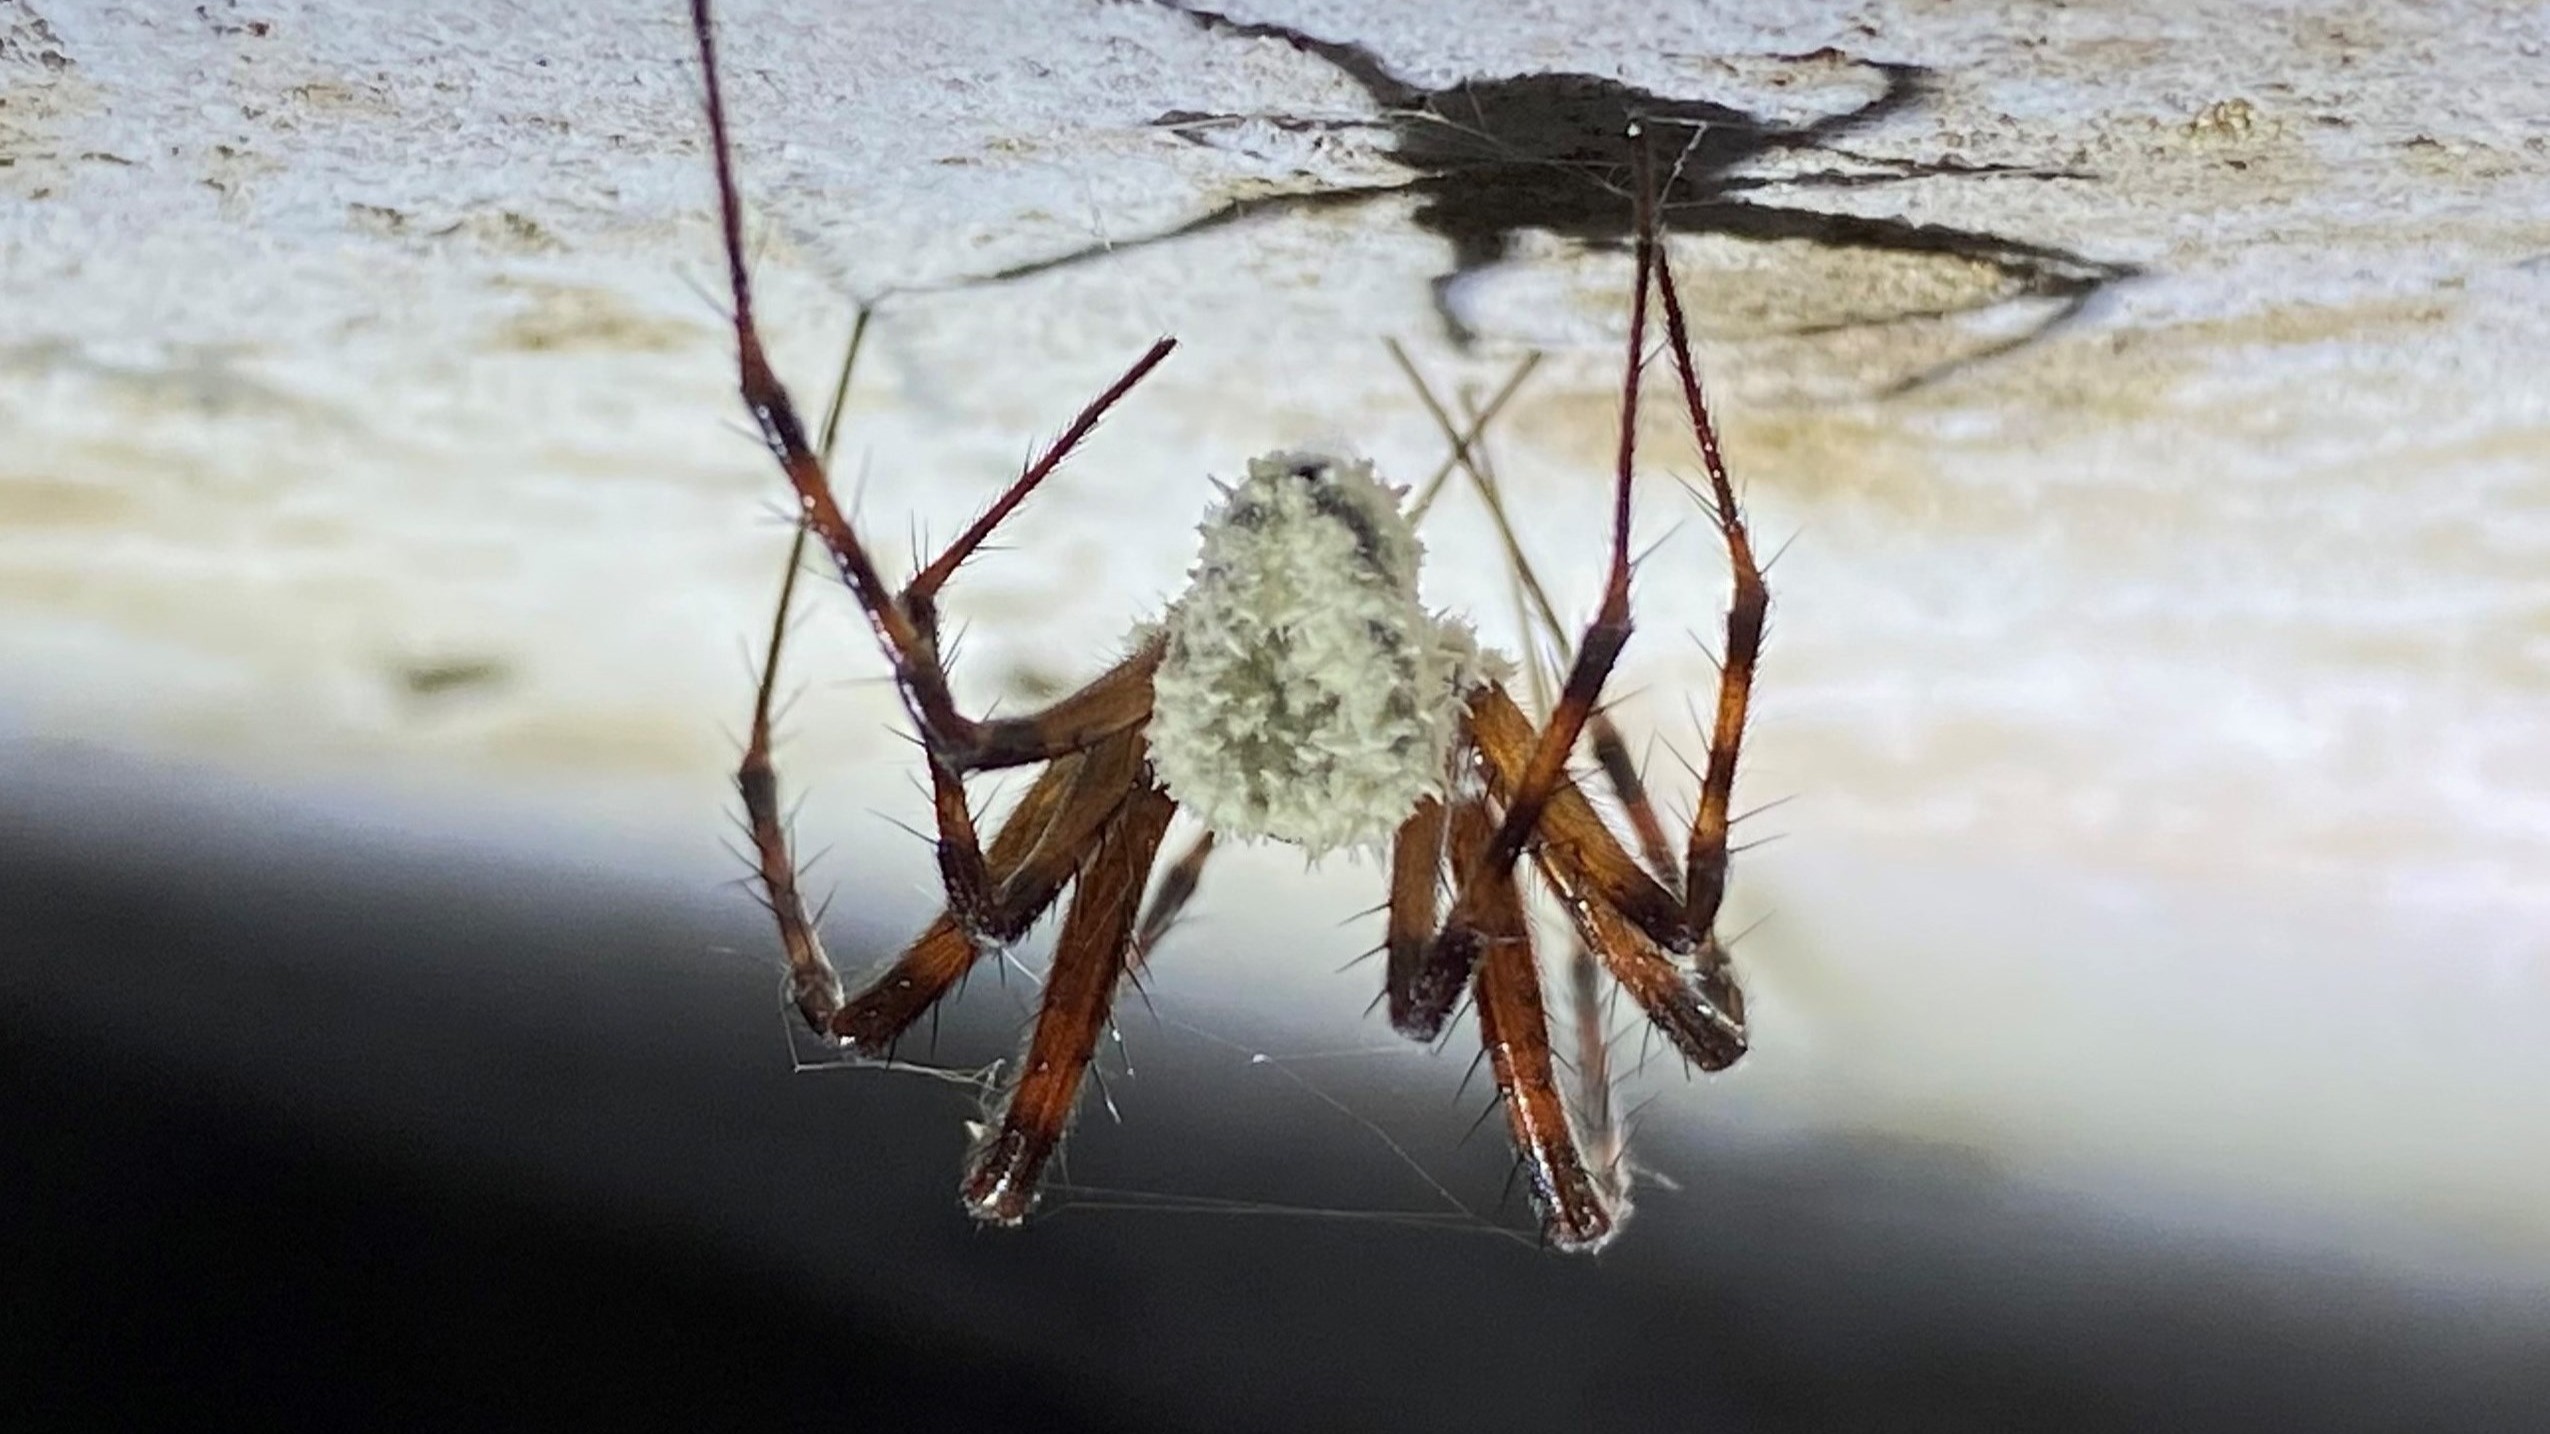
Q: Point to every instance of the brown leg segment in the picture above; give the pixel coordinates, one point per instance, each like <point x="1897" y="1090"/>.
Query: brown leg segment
<point x="1608" y="633"/>
<point x="1177" y="888"/>
<point x="1089" y="957"/>
<point x="906" y="629"/>
<point x="1428" y="977"/>
<point x="1702" y="1014"/>
<point x="1705" y="878"/>
<point x="1544" y="772"/>
<point x="1113" y="707"/>
<point x="1603" y="1137"/>
<point x="1611" y="753"/>
<point x="812" y="982"/>
<point x="1416" y="880"/>
<point x="1574" y="844"/>
<point x="1038" y="848"/>
<point x="1514" y="1029"/>
<point x="936" y="960"/>
<point x="1573" y="836"/>
<point x="1469" y="457"/>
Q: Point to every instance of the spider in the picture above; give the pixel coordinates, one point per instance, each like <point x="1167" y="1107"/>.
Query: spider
<point x="1297" y="691"/>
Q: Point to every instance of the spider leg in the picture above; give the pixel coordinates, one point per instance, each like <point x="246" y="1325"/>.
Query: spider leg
<point x="1177" y="888"/>
<point x="1573" y="840"/>
<point x="1030" y="858"/>
<point x="1091" y="955"/>
<point x="1580" y="860"/>
<point x="945" y="951"/>
<point x="1602" y="1131"/>
<point x="920" y="594"/>
<point x="1116" y="701"/>
<point x="1620" y="770"/>
<point x="1114" y="705"/>
<point x="1705" y="864"/>
<point x="1701" y="1012"/>
<point x="1416" y="881"/>
<point x="1701" y="1008"/>
<point x="1469" y="457"/>
<point x="1035" y="852"/>
<point x="813" y="984"/>
<point x="1577" y="1213"/>
<point x="1608" y="633"/>
<point x="957" y="745"/>
<point x="1614" y="907"/>
<point x="1605" y="1134"/>
<point x="1526" y="772"/>
<point x="1574" y="843"/>
<point x="1635" y="925"/>
<point x="1631" y="923"/>
<point x="1462" y="443"/>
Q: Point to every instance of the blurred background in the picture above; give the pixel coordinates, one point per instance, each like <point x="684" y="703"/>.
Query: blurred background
<point x="2148" y="973"/>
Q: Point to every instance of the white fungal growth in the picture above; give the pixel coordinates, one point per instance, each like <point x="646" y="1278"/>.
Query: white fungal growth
<point x="1305" y="694"/>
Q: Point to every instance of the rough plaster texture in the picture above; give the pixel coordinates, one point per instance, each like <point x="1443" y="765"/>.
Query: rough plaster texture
<point x="2165" y="700"/>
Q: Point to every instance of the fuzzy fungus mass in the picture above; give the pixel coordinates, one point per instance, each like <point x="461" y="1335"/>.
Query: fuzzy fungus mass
<point x="1305" y="694"/>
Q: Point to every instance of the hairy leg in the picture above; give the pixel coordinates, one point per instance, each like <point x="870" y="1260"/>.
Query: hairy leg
<point x="1577" y="1211"/>
<point x="1089" y="958"/>
<point x="905" y="622"/>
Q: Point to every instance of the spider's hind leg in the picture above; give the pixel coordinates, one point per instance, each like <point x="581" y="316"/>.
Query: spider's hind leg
<point x="1093" y="953"/>
<point x="1580" y="1208"/>
<point x="1651" y="921"/>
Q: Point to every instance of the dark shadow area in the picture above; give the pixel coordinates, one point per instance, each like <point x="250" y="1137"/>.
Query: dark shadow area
<point x="311" y="1119"/>
<point x="178" y="1253"/>
<point x="1488" y="158"/>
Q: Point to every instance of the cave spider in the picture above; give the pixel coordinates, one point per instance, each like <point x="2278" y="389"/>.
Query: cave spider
<point x="1299" y="691"/>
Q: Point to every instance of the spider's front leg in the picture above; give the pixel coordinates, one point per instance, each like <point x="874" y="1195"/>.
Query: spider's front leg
<point x="1462" y="941"/>
<point x="1661" y="947"/>
<point x="1627" y="909"/>
<point x="1748" y="613"/>
<point x="1485" y="943"/>
<point x="1029" y="859"/>
<point x="1655" y="933"/>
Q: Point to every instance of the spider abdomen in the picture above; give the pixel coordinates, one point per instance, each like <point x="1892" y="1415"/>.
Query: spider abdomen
<point x="1304" y="693"/>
